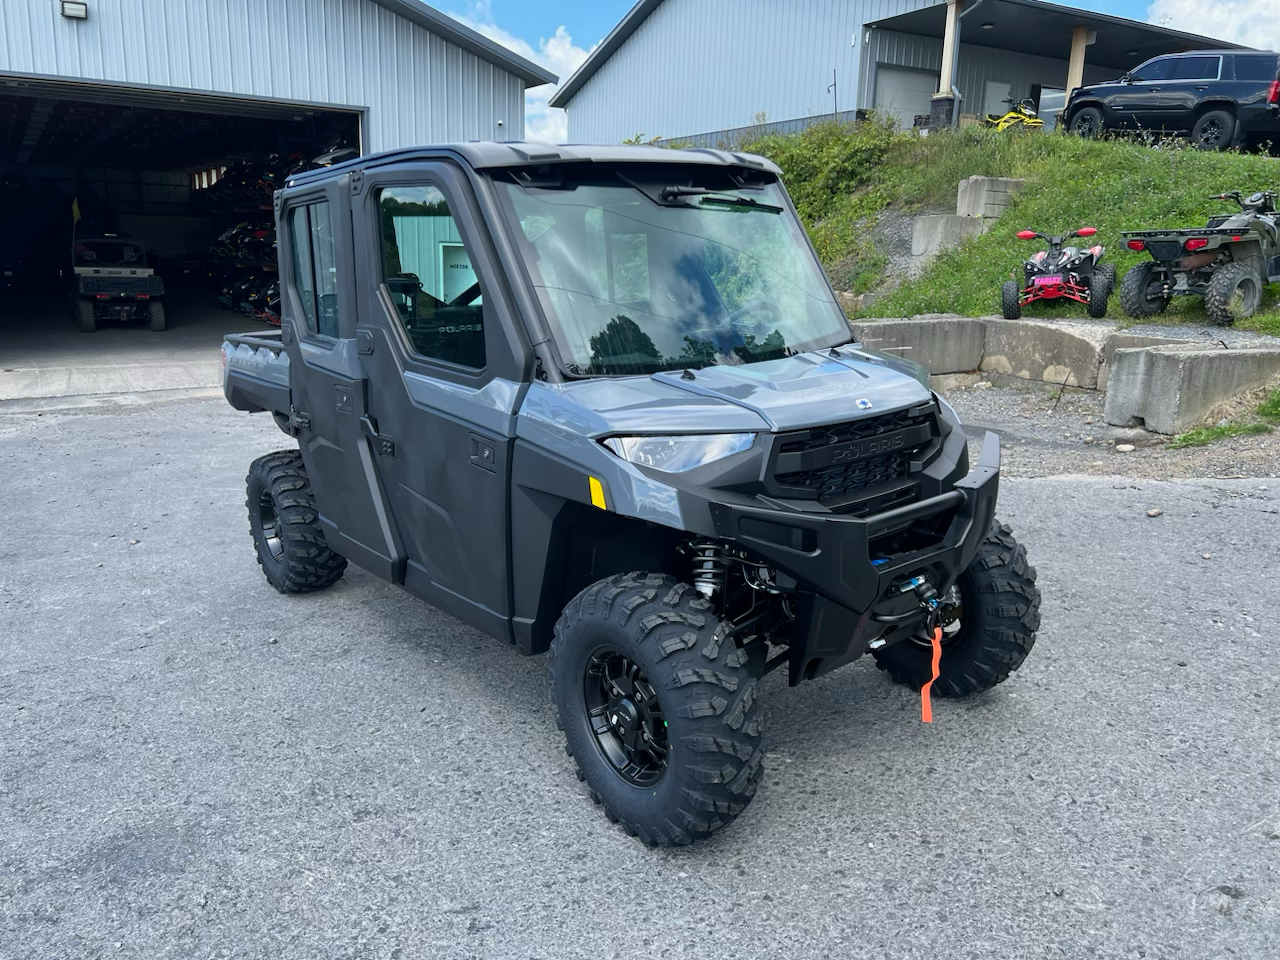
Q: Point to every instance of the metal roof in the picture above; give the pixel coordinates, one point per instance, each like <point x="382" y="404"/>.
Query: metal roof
<point x="463" y="36"/>
<point x="1013" y="38"/>
<point x="483" y="155"/>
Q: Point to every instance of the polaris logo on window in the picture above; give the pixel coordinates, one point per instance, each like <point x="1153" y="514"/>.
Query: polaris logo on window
<point x="862" y="403"/>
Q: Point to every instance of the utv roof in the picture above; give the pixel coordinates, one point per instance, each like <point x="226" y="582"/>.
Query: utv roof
<point x="482" y="155"/>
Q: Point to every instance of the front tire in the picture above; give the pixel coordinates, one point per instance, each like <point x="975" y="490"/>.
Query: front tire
<point x="155" y="315"/>
<point x="1010" y="300"/>
<point x="1100" y="287"/>
<point x="990" y="631"/>
<point x="1087" y="123"/>
<point x="285" y="524"/>
<point x="660" y="708"/>
<point x="1135" y="292"/>
<point x="85" y="316"/>
<point x="1233" y="294"/>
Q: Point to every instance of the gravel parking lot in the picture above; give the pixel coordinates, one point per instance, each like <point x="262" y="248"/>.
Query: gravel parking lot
<point x="192" y="765"/>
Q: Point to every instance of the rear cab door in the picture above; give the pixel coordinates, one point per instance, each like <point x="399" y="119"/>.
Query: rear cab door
<point x="1191" y="81"/>
<point x="327" y="381"/>
<point x="448" y="362"/>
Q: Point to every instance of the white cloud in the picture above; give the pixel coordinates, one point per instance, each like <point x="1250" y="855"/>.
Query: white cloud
<point x="1253" y="23"/>
<point x="557" y="53"/>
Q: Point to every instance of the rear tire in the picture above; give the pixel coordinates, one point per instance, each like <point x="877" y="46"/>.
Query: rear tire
<point x="1233" y="294"/>
<point x="1087" y="123"/>
<point x="995" y="629"/>
<point x="1010" y="300"/>
<point x="1100" y="287"/>
<point x="1214" y="131"/>
<point x="84" y="314"/>
<point x="1135" y="292"/>
<point x="155" y="315"/>
<point x="285" y="525"/>
<point x="696" y="700"/>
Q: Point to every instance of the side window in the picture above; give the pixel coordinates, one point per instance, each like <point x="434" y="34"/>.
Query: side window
<point x="428" y="273"/>
<point x="1256" y="68"/>
<point x="1195" y="68"/>
<point x="1155" y="70"/>
<point x="315" y="273"/>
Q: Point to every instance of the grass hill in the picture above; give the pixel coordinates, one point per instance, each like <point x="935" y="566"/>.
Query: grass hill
<point x="845" y="179"/>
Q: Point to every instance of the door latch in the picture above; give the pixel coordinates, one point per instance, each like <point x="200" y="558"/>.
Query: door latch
<point x="383" y="445"/>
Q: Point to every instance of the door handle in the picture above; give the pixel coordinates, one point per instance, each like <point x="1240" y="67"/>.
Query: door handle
<point x="1203" y="88"/>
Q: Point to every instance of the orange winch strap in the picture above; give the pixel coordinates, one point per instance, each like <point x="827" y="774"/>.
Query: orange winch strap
<point x="926" y="707"/>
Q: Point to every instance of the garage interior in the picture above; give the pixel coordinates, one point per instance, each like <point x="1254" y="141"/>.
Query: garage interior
<point x="144" y="163"/>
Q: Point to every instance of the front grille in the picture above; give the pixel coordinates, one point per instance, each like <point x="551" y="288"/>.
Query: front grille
<point x="834" y="461"/>
<point x="1165" y="249"/>
<point x="840" y="479"/>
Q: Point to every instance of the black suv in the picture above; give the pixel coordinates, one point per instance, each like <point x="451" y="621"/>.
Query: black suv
<point x="1222" y="98"/>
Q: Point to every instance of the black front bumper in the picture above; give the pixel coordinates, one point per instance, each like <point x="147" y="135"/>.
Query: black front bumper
<point x="847" y="582"/>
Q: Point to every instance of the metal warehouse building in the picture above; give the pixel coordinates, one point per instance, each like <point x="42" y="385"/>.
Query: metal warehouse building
<point x="703" y="70"/>
<point x="124" y="112"/>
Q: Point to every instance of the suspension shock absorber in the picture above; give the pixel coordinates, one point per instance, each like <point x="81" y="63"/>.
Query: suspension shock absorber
<point x="708" y="567"/>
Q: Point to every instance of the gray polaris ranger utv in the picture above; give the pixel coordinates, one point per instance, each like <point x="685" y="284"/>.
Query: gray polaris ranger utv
<point x="601" y="401"/>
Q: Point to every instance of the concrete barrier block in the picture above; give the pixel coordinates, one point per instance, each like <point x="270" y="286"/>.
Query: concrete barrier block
<point x="1052" y="352"/>
<point x="986" y="196"/>
<point x="1169" y="389"/>
<point x="944" y="344"/>
<point x="1124" y="341"/>
<point x="933" y="233"/>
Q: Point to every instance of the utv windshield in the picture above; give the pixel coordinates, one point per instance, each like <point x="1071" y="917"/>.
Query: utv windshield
<point x="639" y="271"/>
<point x="109" y="252"/>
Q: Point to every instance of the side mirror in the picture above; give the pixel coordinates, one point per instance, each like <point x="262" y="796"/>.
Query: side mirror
<point x="1126" y="78"/>
<point x="1026" y="234"/>
<point x="1086" y="232"/>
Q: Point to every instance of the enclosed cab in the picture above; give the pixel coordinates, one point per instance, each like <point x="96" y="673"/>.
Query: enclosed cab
<point x="602" y="402"/>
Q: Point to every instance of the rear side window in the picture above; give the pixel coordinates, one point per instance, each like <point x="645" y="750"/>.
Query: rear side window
<point x="1195" y="68"/>
<point x="1155" y="70"/>
<point x="315" y="274"/>
<point x="1257" y="68"/>
<point x="428" y="274"/>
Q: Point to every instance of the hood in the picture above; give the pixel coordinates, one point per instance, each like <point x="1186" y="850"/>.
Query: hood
<point x="807" y="390"/>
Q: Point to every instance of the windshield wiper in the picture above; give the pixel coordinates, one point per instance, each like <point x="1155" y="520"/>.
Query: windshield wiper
<point x="668" y="194"/>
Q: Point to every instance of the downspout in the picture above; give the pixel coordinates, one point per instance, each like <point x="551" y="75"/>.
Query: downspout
<point x="956" y="96"/>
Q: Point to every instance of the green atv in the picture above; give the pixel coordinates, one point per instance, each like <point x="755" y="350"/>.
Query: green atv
<point x="1227" y="262"/>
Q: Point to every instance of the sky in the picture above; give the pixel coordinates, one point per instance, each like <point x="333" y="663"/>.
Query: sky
<point x="558" y="34"/>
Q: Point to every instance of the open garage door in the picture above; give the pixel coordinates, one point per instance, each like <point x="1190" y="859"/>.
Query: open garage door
<point x="904" y="94"/>
<point x="186" y="179"/>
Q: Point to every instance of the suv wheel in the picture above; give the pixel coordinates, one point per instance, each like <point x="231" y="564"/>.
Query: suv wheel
<point x="155" y="315"/>
<point x="1135" y="292"/>
<point x="84" y="314"/>
<point x="1214" y="131"/>
<point x="1087" y="123"/>
<point x="989" y="624"/>
<point x="285" y="524"/>
<point x="1233" y="294"/>
<point x="659" y="706"/>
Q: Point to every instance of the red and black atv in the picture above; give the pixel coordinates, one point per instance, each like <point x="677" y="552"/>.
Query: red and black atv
<point x="1061" y="273"/>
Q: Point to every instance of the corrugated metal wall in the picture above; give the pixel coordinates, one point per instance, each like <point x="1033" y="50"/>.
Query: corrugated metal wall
<point x="977" y="66"/>
<point x="417" y="87"/>
<point x="695" y="66"/>
<point x="418" y="242"/>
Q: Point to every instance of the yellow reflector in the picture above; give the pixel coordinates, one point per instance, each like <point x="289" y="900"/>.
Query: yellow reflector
<point x="597" y="493"/>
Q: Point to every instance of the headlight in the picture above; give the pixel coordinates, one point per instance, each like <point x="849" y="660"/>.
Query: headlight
<point x="677" y="454"/>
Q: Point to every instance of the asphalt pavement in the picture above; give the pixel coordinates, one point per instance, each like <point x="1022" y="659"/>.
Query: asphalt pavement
<point x="193" y="766"/>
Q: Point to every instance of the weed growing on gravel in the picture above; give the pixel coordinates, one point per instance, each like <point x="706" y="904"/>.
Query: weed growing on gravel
<point x="1268" y="413"/>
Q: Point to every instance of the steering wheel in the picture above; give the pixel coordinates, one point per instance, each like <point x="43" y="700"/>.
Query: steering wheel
<point x="765" y="308"/>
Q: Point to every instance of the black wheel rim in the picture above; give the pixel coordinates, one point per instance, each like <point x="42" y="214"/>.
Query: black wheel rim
<point x="269" y="520"/>
<point x="952" y="621"/>
<point x="1211" y="133"/>
<point x="626" y="717"/>
<point x="1245" y="298"/>
<point x="1084" y="127"/>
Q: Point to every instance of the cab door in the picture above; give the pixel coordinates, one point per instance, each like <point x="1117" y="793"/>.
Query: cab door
<point x="1137" y="101"/>
<point x="328" y="383"/>
<point x="446" y="359"/>
<point x="1189" y="83"/>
